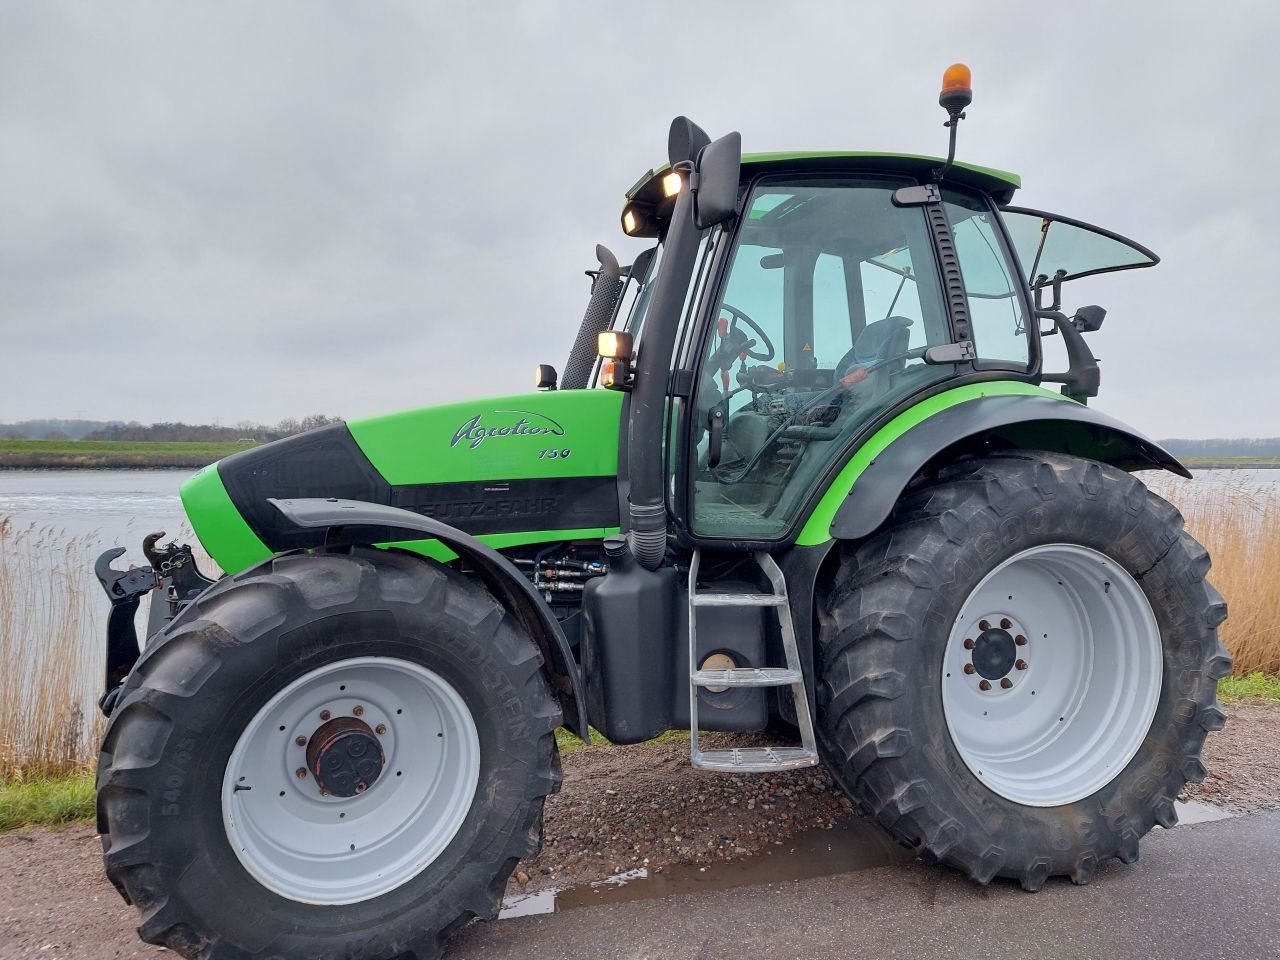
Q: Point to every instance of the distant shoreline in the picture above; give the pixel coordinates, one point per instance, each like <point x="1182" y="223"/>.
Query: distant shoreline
<point x="12" y="463"/>
<point x="113" y="454"/>
<point x="192" y="455"/>
<point x="1209" y="463"/>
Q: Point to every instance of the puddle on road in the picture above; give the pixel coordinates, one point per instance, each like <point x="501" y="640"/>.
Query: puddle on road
<point x="851" y="845"/>
<point x="1192" y="811"/>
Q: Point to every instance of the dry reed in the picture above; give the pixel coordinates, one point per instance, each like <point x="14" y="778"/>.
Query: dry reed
<point x="53" y="617"/>
<point x="1238" y="521"/>
<point x="50" y="661"/>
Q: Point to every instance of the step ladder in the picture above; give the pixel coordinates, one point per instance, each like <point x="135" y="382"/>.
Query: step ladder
<point x="750" y="759"/>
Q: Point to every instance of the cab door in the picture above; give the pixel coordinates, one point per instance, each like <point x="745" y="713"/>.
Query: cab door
<point x="817" y="327"/>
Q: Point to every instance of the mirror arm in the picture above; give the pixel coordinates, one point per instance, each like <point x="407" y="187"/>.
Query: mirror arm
<point x="1082" y="379"/>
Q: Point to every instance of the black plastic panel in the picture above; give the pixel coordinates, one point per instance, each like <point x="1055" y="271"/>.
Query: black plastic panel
<point x="328" y="463"/>
<point x="560" y="503"/>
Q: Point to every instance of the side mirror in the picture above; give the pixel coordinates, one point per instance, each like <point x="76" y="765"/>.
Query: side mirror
<point x="715" y="195"/>
<point x="545" y="377"/>
<point x="1088" y="319"/>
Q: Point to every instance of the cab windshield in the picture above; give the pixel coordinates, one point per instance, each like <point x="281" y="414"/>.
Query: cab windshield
<point x="1051" y="246"/>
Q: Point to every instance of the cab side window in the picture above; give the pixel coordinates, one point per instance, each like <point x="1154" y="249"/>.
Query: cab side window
<point x="996" y="311"/>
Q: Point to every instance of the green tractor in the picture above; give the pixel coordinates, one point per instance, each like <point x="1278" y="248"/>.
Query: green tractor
<point x="801" y="478"/>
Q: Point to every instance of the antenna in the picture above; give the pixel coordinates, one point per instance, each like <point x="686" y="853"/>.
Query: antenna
<point x="957" y="93"/>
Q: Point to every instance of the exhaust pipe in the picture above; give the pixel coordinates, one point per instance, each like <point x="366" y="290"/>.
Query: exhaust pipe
<point x="606" y="289"/>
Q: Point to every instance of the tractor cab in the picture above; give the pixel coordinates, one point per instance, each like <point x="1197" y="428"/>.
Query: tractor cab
<point x="836" y="291"/>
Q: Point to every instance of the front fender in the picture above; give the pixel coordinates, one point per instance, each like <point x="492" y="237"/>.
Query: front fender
<point x="1029" y="421"/>
<point x="353" y="521"/>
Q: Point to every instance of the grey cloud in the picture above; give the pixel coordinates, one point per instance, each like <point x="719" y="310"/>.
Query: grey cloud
<point x="248" y="211"/>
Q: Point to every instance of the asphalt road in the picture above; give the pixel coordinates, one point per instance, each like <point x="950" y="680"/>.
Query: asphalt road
<point x="1201" y="890"/>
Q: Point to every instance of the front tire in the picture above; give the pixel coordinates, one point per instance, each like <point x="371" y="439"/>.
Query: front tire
<point x="1018" y="573"/>
<point x="327" y="756"/>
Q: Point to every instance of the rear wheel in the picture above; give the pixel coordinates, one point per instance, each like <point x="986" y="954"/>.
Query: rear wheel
<point x="1018" y="671"/>
<point x="328" y="756"/>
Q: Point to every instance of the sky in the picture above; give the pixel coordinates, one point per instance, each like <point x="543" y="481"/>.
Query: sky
<point x="244" y="211"/>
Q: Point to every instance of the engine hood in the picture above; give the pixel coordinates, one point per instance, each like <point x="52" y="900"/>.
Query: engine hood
<point x="521" y="469"/>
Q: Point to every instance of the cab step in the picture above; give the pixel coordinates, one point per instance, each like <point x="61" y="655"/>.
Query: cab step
<point x="750" y="759"/>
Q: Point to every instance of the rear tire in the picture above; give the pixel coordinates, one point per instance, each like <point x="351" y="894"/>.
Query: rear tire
<point x="1131" y="653"/>
<point x="213" y="820"/>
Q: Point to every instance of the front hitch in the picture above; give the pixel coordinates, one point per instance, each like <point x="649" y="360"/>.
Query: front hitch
<point x="171" y="566"/>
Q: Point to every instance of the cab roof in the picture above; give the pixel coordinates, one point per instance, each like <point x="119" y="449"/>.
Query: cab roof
<point x="1000" y="184"/>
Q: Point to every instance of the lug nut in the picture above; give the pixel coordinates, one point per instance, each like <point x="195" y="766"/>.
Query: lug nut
<point x="301" y="773"/>
<point x="1020" y="640"/>
<point x="968" y="643"/>
<point x="1020" y="664"/>
<point x="358" y="711"/>
<point x="969" y="668"/>
<point x="1005" y="623"/>
<point x="380" y="729"/>
<point x="301" y="741"/>
<point x="985" y="685"/>
<point x="984" y="624"/>
<point x="325" y="714"/>
<point x="1006" y="683"/>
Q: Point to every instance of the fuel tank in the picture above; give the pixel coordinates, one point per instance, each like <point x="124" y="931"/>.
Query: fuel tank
<point x="510" y="470"/>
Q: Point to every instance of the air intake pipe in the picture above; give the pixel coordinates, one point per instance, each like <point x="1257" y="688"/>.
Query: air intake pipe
<point x="605" y="291"/>
<point x="647" y="514"/>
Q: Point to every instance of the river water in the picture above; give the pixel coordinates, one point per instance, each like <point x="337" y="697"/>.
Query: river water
<point x="120" y="507"/>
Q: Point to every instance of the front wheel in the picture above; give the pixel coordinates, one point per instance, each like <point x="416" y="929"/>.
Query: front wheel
<point x="329" y="756"/>
<point x="1018" y="671"/>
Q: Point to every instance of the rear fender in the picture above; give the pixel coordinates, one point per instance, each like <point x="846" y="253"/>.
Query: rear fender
<point x="1028" y="422"/>
<point x="352" y="522"/>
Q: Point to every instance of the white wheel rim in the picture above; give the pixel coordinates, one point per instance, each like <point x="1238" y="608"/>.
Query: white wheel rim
<point x="1073" y="709"/>
<point x="326" y="849"/>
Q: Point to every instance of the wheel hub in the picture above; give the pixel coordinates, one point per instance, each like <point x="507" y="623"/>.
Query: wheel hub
<point x="345" y="756"/>
<point x="350" y="780"/>
<point x="1051" y="674"/>
<point x="994" y="653"/>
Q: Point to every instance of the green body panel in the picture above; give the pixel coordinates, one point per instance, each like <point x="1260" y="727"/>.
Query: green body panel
<point x="511" y="438"/>
<point x="817" y="529"/>
<point x="1002" y="179"/>
<point x="218" y="524"/>
<point x="1012" y="179"/>
<point x="508" y="438"/>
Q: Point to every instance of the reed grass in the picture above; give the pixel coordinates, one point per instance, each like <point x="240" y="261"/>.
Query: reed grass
<point x="51" y="660"/>
<point x="53" y="617"/>
<point x="1238" y="521"/>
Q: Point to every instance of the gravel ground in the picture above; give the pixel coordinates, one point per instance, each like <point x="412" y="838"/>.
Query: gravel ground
<point x="1243" y="760"/>
<point x="621" y="808"/>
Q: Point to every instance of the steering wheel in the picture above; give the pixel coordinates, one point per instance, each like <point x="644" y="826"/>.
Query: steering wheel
<point x="769" y="353"/>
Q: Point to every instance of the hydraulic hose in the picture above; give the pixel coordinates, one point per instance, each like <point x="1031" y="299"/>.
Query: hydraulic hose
<point x="605" y="291"/>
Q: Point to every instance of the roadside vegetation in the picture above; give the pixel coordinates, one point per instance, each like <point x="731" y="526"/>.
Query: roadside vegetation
<point x="100" y="454"/>
<point x="52" y="618"/>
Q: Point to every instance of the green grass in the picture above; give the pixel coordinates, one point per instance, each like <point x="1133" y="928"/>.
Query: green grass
<point x="46" y="801"/>
<point x="1256" y="686"/>
<point x="113" y="454"/>
<point x="1198" y="461"/>
<point x="75" y="448"/>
